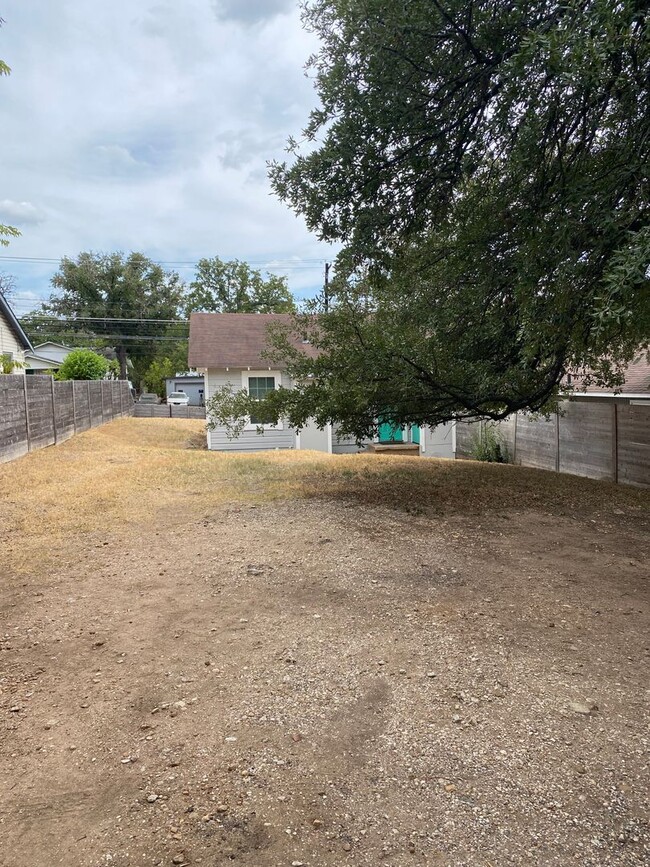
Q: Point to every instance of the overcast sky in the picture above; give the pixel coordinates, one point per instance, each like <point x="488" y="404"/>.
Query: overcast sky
<point x="147" y="126"/>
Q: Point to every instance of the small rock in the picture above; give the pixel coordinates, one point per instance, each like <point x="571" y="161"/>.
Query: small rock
<point x="230" y="739"/>
<point x="431" y="674"/>
<point x="450" y="787"/>
<point x="583" y="708"/>
<point x="347" y="847"/>
<point x="178" y="859"/>
<point x="221" y="808"/>
<point x="317" y="823"/>
<point x="151" y="799"/>
<point x="14" y="709"/>
<point x="297" y="864"/>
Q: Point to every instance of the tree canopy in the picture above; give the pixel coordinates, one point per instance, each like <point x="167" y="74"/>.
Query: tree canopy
<point x="235" y="287"/>
<point x="128" y="303"/>
<point x="485" y="166"/>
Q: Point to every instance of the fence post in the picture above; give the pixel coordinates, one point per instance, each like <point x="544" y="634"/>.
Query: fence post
<point x="557" y="440"/>
<point x="56" y="439"/>
<point x="27" y="426"/>
<point x="615" y="440"/>
<point x="90" y="411"/>
<point x="74" y="407"/>
<point x="514" y="441"/>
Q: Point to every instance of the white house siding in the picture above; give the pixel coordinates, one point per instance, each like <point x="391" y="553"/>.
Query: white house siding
<point x="439" y="442"/>
<point x="311" y="437"/>
<point x="9" y="343"/>
<point x="249" y="440"/>
<point x="344" y="445"/>
<point x="54" y="351"/>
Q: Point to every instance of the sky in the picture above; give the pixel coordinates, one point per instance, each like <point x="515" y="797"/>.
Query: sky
<point x="147" y="126"/>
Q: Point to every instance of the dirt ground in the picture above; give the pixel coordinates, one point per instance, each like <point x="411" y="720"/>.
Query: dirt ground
<point x="293" y="659"/>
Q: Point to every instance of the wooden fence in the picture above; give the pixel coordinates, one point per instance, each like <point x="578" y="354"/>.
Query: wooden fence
<point x="163" y="410"/>
<point x="598" y="438"/>
<point x="36" y="411"/>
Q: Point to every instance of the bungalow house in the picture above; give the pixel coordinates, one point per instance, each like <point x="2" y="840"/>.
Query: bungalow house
<point x="229" y="348"/>
<point x="46" y="357"/>
<point x="14" y="343"/>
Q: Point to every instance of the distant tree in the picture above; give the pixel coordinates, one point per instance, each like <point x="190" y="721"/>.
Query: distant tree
<point x="83" y="364"/>
<point x="97" y="292"/>
<point x="167" y="363"/>
<point x="235" y="287"/>
<point x="7" y="285"/>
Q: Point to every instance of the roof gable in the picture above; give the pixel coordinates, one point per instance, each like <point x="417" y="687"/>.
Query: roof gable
<point x="9" y="316"/>
<point x="220" y="340"/>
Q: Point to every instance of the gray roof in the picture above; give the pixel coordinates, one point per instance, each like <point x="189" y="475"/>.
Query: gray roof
<point x="14" y="324"/>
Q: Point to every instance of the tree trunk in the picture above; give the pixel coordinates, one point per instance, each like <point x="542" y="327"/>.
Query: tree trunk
<point x="121" y="357"/>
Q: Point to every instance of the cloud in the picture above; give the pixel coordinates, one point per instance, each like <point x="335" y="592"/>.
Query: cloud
<point x="20" y="213"/>
<point x="251" y="11"/>
<point x="152" y="133"/>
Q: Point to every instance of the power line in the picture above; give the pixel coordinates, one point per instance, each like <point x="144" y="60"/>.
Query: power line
<point x="265" y="263"/>
<point x="52" y="318"/>
<point x="108" y="337"/>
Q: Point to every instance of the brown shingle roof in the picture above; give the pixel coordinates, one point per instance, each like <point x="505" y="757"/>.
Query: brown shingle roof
<point x="233" y="339"/>
<point x="637" y="380"/>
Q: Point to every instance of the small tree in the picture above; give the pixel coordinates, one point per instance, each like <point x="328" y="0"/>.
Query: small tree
<point x="83" y="364"/>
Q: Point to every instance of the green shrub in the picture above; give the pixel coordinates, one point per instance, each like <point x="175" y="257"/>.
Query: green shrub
<point x="488" y="445"/>
<point x="83" y="364"/>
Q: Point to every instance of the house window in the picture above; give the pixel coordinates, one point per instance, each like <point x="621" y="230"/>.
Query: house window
<point x="258" y="385"/>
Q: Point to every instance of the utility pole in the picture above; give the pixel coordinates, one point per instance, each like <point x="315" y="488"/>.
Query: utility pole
<point x="326" y="294"/>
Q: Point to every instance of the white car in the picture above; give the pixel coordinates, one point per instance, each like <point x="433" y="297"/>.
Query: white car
<point x="178" y="398"/>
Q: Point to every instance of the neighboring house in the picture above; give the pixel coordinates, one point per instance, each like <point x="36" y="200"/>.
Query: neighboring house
<point x="635" y="386"/>
<point x="192" y="384"/>
<point x="14" y="343"/>
<point x="229" y="348"/>
<point x="46" y="357"/>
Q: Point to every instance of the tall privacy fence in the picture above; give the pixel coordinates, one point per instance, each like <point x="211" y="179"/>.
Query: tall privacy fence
<point x="36" y="411"/>
<point x="605" y="438"/>
<point x="164" y="410"/>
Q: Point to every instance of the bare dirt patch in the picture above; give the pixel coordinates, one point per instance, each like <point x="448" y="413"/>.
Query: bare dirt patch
<point x="281" y="659"/>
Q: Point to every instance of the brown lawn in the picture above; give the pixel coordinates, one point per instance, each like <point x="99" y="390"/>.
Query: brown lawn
<point x="289" y="658"/>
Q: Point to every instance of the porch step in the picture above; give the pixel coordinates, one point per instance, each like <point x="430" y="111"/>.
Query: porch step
<point x="410" y="449"/>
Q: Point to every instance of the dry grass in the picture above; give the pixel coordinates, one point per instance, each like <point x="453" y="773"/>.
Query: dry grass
<point x="126" y="474"/>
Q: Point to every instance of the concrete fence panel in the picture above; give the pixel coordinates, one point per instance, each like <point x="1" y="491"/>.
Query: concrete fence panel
<point x="13" y="417"/>
<point x="536" y="442"/>
<point x="587" y="432"/>
<point x="40" y="411"/>
<point x="96" y="404"/>
<point x="81" y="406"/>
<point x="64" y="410"/>
<point x="633" y="444"/>
<point x="163" y="410"/>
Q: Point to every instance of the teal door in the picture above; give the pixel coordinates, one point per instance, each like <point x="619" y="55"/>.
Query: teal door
<point x="415" y="434"/>
<point x="389" y="432"/>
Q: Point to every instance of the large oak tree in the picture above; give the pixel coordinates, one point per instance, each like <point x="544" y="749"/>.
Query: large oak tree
<point x="485" y="166"/>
